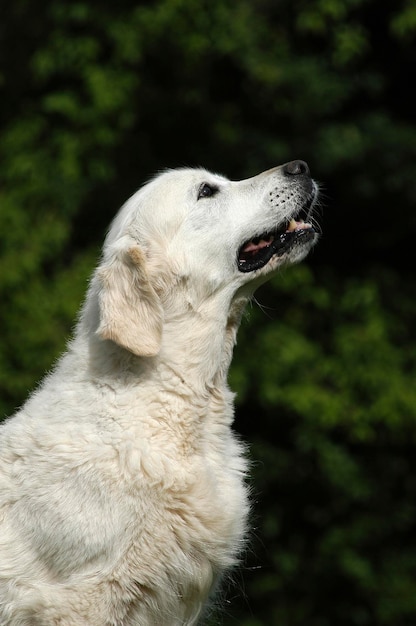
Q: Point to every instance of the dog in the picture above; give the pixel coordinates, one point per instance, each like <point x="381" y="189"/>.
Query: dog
<point x="122" y="485"/>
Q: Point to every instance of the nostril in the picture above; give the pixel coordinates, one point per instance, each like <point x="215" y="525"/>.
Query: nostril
<point x="296" y="168"/>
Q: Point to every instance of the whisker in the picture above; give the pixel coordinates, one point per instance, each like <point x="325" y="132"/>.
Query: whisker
<point x="264" y="308"/>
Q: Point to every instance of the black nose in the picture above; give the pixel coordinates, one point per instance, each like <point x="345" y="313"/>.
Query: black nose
<point x="296" y="168"/>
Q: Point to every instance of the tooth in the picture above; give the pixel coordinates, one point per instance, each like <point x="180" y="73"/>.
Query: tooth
<point x="292" y="225"/>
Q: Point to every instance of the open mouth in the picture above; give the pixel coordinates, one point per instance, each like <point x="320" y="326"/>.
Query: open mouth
<point x="257" y="252"/>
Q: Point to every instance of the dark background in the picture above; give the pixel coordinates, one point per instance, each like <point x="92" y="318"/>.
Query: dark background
<point x="95" y="97"/>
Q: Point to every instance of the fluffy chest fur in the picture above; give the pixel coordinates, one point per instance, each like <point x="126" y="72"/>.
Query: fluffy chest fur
<point x="146" y="494"/>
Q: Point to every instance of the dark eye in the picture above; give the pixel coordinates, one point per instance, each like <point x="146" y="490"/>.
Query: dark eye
<point x="206" y="191"/>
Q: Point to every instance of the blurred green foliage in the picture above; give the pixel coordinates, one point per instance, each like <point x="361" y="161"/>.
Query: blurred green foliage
<point x="327" y="372"/>
<point x="95" y="97"/>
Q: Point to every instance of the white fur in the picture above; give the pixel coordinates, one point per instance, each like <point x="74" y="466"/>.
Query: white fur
<point x="122" y="495"/>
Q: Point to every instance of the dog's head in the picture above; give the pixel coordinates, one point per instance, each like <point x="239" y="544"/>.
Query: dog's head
<point x="190" y="236"/>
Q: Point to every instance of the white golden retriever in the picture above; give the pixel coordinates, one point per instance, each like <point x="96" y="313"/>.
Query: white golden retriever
<point x="122" y="493"/>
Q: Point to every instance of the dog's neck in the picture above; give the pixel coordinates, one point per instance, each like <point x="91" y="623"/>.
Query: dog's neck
<point x="201" y="350"/>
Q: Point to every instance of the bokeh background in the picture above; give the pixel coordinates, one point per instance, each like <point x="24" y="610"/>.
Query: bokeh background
<point x="95" y="97"/>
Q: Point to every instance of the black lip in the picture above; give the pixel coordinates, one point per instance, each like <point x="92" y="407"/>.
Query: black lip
<point x="282" y="244"/>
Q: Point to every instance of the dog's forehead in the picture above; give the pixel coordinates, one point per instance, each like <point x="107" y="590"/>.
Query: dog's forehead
<point x="176" y="191"/>
<point x="188" y="178"/>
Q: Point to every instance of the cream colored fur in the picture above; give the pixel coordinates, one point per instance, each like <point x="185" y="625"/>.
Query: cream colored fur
<point x="122" y="485"/>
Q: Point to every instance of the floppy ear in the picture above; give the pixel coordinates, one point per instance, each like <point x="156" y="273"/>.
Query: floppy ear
<point x="131" y="313"/>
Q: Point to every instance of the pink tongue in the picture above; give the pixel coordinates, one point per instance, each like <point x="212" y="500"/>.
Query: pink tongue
<point x="263" y="243"/>
<point x="252" y="247"/>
